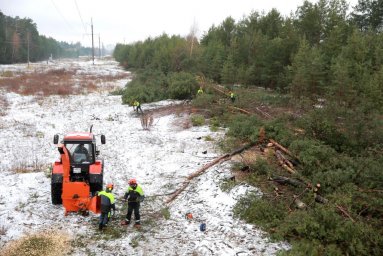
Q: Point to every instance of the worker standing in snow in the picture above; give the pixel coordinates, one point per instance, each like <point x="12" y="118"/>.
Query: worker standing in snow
<point x="137" y="106"/>
<point x="107" y="205"/>
<point x="232" y="96"/>
<point x="134" y="195"/>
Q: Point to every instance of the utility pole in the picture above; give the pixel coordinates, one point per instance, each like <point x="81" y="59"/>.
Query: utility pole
<point x="28" y="46"/>
<point x="99" y="47"/>
<point x="91" y="22"/>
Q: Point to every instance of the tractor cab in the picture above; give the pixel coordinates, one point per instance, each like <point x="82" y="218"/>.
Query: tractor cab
<point x="82" y="154"/>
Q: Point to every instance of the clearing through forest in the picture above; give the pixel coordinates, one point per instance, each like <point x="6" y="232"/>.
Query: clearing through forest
<point x="160" y="157"/>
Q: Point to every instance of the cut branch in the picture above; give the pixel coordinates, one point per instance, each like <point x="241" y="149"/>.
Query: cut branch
<point x="241" y="110"/>
<point x="340" y="208"/>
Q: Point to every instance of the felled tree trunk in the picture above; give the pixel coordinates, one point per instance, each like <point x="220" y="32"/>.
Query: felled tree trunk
<point x="285" y="180"/>
<point x="204" y="168"/>
<point x="284" y="162"/>
<point x="241" y="110"/>
<point x="282" y="148"/>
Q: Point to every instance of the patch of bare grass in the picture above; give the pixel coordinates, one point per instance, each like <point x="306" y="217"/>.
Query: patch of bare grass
<point x="56" y="82"/>
<point x="3" y="230"/>
<point x="52" y="243"/>
<point x="24" y="167"/>
<point x="7" y="73"/>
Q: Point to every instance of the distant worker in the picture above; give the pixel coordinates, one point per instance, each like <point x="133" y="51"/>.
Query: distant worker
<point x="232" y="96"/>
<point x="200" y="91"/>
<point x="137" y="106"/>
<point x="134" y="195"/>
<point x="107" y="205"/>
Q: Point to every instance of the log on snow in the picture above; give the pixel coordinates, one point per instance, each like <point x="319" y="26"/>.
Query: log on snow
<point x="204" y="168"/>
<point x="207" y="166"/>
<point x="177" y="192"/>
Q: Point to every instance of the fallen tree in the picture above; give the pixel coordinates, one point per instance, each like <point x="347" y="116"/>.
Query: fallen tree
<point x="206" y="167"/>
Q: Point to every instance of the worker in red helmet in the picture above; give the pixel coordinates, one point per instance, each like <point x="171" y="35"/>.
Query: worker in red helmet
<point x="134" y="195"/>
<point x="107" y="205"/>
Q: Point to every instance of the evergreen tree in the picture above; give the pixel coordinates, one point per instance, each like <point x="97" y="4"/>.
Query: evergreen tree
<point x="308" y="72"/>
<point x="369" y="14"/>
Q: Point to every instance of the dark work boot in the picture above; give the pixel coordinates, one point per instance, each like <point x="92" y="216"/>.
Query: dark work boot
<point x="137" y="224"/>
<point x="100" y="226"/>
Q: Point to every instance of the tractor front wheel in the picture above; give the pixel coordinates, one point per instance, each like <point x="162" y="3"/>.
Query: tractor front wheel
<point x="56" y="191"/>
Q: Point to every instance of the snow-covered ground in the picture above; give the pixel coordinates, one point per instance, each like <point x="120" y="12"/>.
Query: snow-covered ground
<point x="160" y="158"/>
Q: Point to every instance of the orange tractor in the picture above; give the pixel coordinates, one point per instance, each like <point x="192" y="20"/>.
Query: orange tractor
<point x="78" y="175"/>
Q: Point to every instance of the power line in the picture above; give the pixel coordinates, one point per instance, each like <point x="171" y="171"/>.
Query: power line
<point x="62" y="16"/>
<point x="79" y="13"/>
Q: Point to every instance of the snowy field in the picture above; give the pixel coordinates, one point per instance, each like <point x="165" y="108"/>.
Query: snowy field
<point x="160" y="158"/>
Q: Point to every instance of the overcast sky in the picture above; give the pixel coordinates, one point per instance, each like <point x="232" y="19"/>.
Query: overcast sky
<point x="126" y="21"/>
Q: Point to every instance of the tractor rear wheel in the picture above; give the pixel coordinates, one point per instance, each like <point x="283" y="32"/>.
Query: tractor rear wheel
<point x="56" y="191"/>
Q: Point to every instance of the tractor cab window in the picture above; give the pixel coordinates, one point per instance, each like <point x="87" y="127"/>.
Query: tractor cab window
<point x="80" y="152"/>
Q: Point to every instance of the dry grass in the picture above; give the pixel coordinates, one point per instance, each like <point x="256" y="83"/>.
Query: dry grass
<point x="3" y="230"/>
<point x="47" y="243"/>
<point x="24" y="167"/>
<point x="3" y="105"/>
<point x="56" y="82"/>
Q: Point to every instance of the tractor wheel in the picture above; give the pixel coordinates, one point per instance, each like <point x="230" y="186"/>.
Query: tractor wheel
<point x="56" y="191"/>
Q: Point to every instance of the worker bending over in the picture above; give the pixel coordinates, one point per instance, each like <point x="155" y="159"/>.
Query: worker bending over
<point x="137" y="106"/>
<point x="107" y="205"/>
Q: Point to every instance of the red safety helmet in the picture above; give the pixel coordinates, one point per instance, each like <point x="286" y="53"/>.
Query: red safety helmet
<point x="109" y="186"/>
<point x="132" y="181"/>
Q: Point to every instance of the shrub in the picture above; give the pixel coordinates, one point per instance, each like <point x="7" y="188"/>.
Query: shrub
<point x="182" y="85"/>
<point x="262" y="167"/>
<point x="147" y="86"/>
<point x="197" y="120"/>
<point x="165" y="213"/>
<point x="119" y="91"/>
<point x="278" y="130"/>
<point x="320" y="124"/>
<point x="245" y="127"/>
<point x="263" y="212"/>
<point x="313" y="154"/>
<point x="337" y="235"/>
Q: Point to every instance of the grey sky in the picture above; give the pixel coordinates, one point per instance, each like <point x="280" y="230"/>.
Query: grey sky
<point x="127" y="21"/>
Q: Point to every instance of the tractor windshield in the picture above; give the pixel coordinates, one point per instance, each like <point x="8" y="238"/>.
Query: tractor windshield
<point x="81" y="153"/>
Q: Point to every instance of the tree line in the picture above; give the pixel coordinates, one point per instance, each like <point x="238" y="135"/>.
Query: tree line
<point x="318" y="51"/>
<point x="20" y="42"/>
